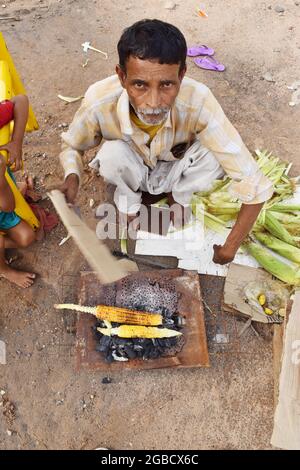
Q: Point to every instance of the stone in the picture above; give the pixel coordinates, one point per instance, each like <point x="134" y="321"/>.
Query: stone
<point x="279" y="9"/>
<point x="170" y="5"/>
<point x="268" y="77"/>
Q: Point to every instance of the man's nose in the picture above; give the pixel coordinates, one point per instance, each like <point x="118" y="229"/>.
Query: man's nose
<point x="153" y="99"/>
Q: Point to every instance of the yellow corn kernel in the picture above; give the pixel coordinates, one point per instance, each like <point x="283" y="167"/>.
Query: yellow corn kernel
<point x="268" y="311"/>
<point x="262" y="299"/>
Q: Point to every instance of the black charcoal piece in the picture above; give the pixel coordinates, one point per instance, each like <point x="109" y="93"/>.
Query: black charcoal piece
<point x="106" y="380"/>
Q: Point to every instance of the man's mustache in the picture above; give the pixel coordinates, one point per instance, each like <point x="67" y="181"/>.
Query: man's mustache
<point x="154" y="111"/>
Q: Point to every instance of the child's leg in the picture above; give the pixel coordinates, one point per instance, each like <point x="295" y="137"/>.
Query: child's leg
<point x="21" y="236"/>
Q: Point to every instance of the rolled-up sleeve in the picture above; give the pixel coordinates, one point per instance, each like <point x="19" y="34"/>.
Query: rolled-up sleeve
<point x="83" y="134"/>
<point x="215" y="132"/>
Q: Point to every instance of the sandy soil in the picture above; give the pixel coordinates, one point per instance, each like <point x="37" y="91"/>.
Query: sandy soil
<point x="229" y="406"/>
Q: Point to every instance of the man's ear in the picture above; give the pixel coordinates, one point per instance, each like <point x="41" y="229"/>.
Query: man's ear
<point x="121" y="74"/>
<point x="182" y="73"/>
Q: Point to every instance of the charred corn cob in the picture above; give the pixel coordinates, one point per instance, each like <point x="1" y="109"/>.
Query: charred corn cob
<point x="116" y="314"/>
<point x="132" y="331"/>
<point x="283" y="248"/>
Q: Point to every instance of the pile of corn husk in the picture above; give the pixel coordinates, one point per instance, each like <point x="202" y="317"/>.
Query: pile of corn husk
<point x="275" y="239"/>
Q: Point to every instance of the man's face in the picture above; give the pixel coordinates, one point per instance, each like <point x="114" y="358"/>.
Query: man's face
<point x="152" y="87"/>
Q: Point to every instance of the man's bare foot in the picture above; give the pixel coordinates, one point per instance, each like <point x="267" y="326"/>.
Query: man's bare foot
<point x="20" y="278"/>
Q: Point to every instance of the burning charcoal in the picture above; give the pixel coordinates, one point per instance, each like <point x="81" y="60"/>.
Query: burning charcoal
<point x="118" y="341"/>
<point x="130" y="352"/>
<point x="117" y="357"/>
<point x="106" y="341"/>
<point x="168" y="322"/>
<point x="179" y="321"/>
<point x="166" y="313"/>
<point x="109" y="358"/>
<point x="153" y="353"/>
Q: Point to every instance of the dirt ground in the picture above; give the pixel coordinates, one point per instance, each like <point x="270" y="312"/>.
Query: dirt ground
<point x="230" y="405"/>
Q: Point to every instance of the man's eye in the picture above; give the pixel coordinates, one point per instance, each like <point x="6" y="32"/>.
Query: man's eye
<point x="139" y="85"/>
<point x="167" y="84"/>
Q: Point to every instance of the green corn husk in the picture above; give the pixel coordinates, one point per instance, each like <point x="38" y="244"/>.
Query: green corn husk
<point x="225" y="208"/>
<point x="123" y="241"/>
<point x="210" y="221"/>
<point x="277" y="229"/>
<point x="285" y="207"/>
<point x="286" y="272"/>
<point x="284" y="249"/>
<point x="286" y="217"/>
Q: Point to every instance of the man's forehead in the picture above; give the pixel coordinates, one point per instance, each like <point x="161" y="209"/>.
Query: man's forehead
<point x="150" y="69"/>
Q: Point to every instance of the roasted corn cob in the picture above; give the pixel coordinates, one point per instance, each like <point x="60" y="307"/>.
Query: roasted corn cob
<point x="116" y="314"/>
<point x="130" y="331"/>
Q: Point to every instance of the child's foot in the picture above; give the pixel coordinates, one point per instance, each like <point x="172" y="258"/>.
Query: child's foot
<point x="20" y="278"/>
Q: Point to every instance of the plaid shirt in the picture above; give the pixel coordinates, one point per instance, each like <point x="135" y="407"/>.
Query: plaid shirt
<point x="196" y="114"/>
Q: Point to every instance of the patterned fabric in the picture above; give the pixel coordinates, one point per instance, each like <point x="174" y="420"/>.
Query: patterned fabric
<point x="196" y="114"/>
<point x="9" y="219"/>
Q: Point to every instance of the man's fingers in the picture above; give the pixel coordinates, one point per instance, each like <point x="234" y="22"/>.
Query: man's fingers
<point x="17" y="165"/>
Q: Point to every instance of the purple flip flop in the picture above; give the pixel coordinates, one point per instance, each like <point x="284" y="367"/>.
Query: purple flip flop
<point x="209" y="63"/>
<point x="193" y="51"/>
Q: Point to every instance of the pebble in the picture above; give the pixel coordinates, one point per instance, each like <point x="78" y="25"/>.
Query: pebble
<point x="9" y="433"/>
<point x="170" y="5"/>
<point x="106" y="380"/>
<point x="268" y="77"/>
<point x="2" y="392"/>
<point x="297" y="4"/>
<point x="279" y="9"/>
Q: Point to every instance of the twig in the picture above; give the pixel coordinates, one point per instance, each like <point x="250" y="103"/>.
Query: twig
<point x="9" y="18"/>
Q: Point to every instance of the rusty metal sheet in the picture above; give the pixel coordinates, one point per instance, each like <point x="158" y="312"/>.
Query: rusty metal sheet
<point x="194" y="352"/>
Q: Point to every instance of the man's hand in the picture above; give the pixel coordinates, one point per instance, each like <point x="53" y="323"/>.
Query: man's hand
<point x="245" y="221"/>
<point x="14" y="150"/>
<point x="70" y="188"/>
<point x="223" y="254"/>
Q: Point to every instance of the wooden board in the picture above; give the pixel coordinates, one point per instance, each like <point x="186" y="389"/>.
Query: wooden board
<point x="194" y="352"/>
<point x="286" y="432"/>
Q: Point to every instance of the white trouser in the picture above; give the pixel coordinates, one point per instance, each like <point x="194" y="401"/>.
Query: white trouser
<point x="122" y="166"/>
